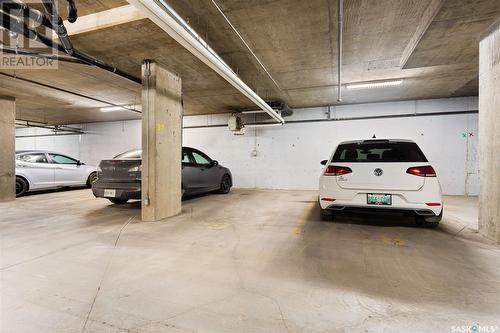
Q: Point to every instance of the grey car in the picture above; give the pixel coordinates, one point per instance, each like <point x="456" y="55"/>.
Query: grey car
<point x="119" y="179"/>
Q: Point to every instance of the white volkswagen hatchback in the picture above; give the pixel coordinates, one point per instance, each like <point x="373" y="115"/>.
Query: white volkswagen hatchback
<point x="390" y="175"/>
<point x="40" y="170"/>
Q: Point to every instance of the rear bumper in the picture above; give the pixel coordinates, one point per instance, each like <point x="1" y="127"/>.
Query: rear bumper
<point x="423" y="202"/>
<point x="127" y="191"/>
<point x="411" y="211"/>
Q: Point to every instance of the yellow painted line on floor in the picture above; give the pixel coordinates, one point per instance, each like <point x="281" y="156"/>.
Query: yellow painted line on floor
<point x="303" y="219"/>
<point x="393" y="241"/>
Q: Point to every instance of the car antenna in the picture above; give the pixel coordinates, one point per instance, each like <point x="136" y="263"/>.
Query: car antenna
<point x="374" y="136"/>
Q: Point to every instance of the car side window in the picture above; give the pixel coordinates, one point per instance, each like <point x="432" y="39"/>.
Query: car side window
<point x="33" y="158"/>
<point x="200" y="158"/>
<point x="61" y="159"/>
<point x="185" y="157"/>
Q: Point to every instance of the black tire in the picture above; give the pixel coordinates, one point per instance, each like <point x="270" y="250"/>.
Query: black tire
<point x="21" y="186"/>
<point x="118" y="201"/>
<point x="326" y="215"/>
<point x="225" y="184"/>
<point x="92" y="179"/>
<point x="429" y="222"/>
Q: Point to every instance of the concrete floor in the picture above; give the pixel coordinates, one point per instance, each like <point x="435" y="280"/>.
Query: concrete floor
<point x="250" y="261"/>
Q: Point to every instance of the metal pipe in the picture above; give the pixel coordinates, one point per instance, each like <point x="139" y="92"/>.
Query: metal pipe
<point x="72" y="11"/>
<point x="63" y="128"/>
<point x="166" y="18"/>
<point x="406" y="115"/>
<point x="65" y="91"/>
<point x="54" y="128"/>
<point x="258" y="125"/>
<point x="12" y="24"/>
<point x="249" y="48"/>
<point x="58" y="26"/>
<point x="46" y="135"/>
<point x="22" y="10"/>
<point x="340" y="37"/>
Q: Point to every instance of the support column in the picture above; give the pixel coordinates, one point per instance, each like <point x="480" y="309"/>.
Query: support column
<point x="8" y="149"/>
<point x="161" y="142"/>
<point x="489" y="133"/>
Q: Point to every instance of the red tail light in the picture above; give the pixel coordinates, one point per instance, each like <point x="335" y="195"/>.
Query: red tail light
<point x="333" y="170"/>
<point x="433" y="204"/>
<point x="422" y="171"/>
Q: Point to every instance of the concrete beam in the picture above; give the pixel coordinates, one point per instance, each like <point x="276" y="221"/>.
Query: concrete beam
<point x="489" y="134"/>
<point x="424" y="23"/>
<point x="8" y="148"/>
<point x="161" y="142"/>
<point x="105" y="19"/>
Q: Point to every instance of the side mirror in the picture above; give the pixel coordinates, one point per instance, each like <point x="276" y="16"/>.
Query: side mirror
<point x="214" y="163"/>
<point x="324" y="162"/>
<point x="78" y="163"/>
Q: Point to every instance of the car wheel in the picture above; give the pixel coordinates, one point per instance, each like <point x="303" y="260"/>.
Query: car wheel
<point x="430" y="222"/>
<point x="326" y="215"/>
<point x="21" y="186"/>
<point x="92" y="179"/>
<point x="225" y="184"/>
<point x="119" y="201"/>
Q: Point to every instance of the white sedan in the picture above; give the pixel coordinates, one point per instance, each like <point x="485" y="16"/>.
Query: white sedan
<point x="389" y="175"/>
<point x="40" y="170"/>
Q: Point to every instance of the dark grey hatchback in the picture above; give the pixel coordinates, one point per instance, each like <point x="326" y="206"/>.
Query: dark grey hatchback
<point x="119" y="179"/>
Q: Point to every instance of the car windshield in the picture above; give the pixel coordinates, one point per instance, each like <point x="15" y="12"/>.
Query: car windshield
<point x="379" y="151"/>
<point x="132" y="154"/>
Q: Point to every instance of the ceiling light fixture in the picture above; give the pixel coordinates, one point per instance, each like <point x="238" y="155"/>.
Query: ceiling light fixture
<point x="379" y="84"/>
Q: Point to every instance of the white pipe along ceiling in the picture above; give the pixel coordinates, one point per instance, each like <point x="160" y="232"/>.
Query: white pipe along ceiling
<point x="166" y="18"/>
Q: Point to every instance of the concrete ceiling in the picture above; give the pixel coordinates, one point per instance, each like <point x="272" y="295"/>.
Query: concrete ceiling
<point x="431" y="44"/>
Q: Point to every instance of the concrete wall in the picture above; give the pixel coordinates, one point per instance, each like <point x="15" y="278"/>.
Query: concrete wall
<point x="288" y="157"/>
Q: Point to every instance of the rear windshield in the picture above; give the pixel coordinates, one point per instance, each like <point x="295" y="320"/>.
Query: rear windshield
<point x="388" y="151"/>
<point x="133" y="154"/>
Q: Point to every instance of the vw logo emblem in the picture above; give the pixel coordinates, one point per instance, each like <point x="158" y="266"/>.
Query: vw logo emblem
<point x="378" y="172"/>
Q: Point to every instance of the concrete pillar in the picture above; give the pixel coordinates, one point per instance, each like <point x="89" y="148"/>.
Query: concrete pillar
<point x="161" y="142"/>
<point x="489" y="133"/>
<point x="7" y="149"/>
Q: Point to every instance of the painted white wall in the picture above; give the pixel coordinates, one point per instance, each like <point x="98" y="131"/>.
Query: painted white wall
<point x="288" y="157"/>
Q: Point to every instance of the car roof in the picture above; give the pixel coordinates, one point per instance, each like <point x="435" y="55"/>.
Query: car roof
<point x="37" y="151"/>
<point x="140" y="149"/>
<point x="377" y="140"/>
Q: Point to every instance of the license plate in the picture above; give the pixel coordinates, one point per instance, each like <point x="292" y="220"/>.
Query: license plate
<point x="110" y="193"/>
<point x="379" y="199"/>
